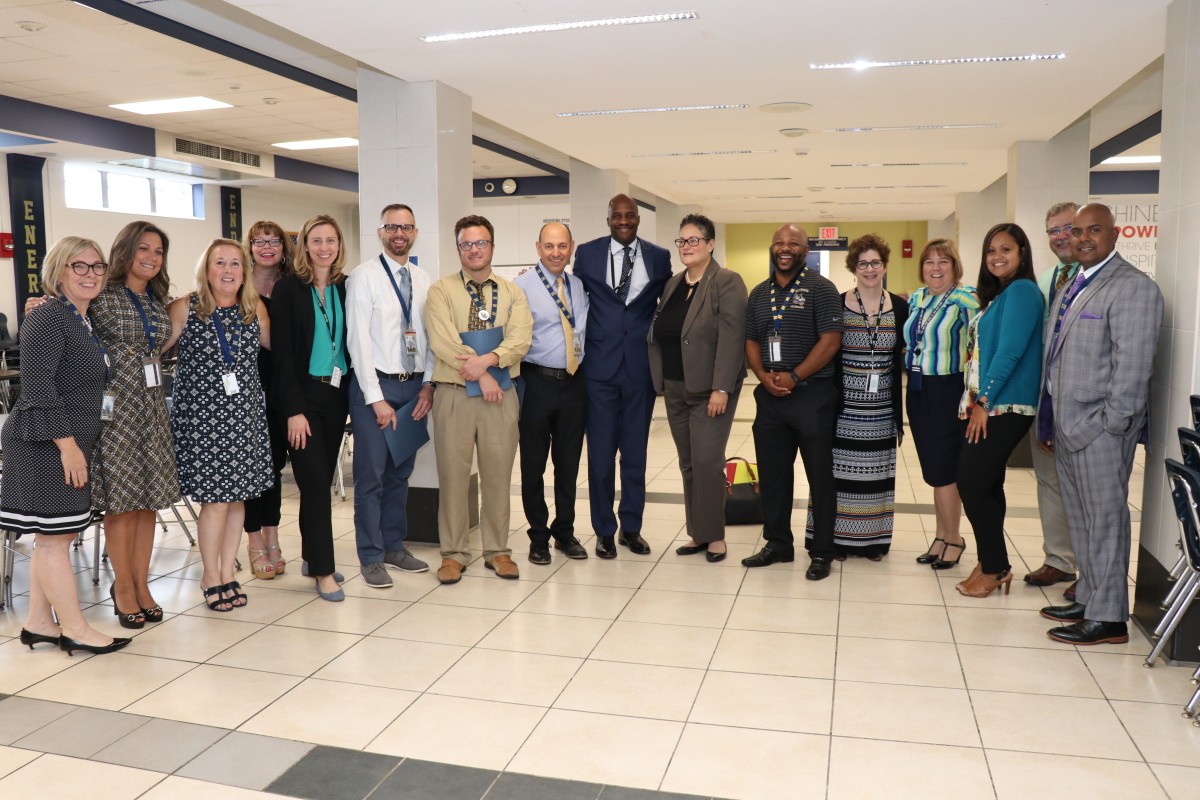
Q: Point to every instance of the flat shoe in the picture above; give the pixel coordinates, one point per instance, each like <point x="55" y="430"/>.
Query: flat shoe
<point x="713" y="558"/>
<point x="333" y="597"/>
<point x="690" y="549"/>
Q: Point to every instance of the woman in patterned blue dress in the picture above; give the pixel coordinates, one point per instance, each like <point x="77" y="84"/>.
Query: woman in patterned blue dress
<point x="218" y="411"/>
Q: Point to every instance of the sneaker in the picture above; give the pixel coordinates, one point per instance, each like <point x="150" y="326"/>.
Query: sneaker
<point x="405" y="561"/>
<point x="376" y="576"/>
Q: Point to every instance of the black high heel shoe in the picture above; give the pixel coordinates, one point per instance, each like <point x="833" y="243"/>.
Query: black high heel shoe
<point x="942" y="563"/>
<point x="70" y="646"/>
<point x="928" y="557"/>
<point x="153" y="614"/>
<point x="31" y="639"/>
<point x="132" y="621"/>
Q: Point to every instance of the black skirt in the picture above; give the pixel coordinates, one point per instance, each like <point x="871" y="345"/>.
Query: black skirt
<point x="936" y="430"/>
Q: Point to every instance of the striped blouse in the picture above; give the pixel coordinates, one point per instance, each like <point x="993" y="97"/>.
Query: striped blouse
<point x="943" y="345"/>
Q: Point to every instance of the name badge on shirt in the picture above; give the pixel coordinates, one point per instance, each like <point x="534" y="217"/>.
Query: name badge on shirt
<point x="230" y="382"/>
<point x="107" y="406"/>
<point x="410" y="342"/>
<point x="577" y="346"/>
<point x="775" y="348"/>
<point x="335" y="377"/>
<point x="873" y="382"/>
<point x="152" y="371"/>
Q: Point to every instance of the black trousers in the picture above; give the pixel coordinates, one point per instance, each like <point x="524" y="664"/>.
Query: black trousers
<point x="552" y="422"/>
<point x="981" y="468"/>
<point x="804" y="421"/>
<point x="264" y="509"/>
<point x="313" y="467"/>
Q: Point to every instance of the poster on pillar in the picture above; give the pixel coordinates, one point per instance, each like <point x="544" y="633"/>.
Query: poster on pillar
<point x="27" y="203"/>
<point x="1137" y="219"/>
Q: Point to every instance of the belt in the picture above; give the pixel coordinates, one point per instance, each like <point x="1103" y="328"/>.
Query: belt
<point x="549" y="372"/>
<point x="399" y="376"/>
<point x="321" y="378"/>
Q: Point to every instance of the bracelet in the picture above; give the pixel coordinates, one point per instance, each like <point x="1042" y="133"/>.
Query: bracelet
<point x="795" y="377"/>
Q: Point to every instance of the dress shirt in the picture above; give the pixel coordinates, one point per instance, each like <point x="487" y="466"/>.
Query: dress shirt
<point x="616" y="257"/>
<point x="1087" y="276"/>
<point x="549" y="346"/>
<point x="375" y="323"/>
<point x="448" y="308"/>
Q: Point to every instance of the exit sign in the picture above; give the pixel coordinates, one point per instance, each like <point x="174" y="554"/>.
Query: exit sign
<point x="828" y="233"/>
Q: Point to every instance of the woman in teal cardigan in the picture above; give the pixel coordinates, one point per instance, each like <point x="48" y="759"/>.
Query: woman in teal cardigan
<point x="1004" y="369"/>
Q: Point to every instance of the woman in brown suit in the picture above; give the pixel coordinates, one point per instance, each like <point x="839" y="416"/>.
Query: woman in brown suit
<point x="697" y="362"/>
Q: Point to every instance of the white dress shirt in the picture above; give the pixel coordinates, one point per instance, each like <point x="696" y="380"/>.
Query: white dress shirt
<point x="375" y="323"/>
<point x="549" y="346"/>
<point x="616" y="257"/>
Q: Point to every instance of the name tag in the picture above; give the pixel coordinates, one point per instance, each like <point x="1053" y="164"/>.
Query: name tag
<point x="152" y="371"/>
<point x="107" y="406"/>
<point x="577" y="346"/>
<point x="410" y="341"/>
<point x="873" y="382"/>
<point x="335" y="377"/>
<point x="230" y="382"/>
<point x="775" y="348"/>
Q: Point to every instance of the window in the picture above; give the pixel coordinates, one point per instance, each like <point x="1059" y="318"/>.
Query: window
<point x="88" y="187"/>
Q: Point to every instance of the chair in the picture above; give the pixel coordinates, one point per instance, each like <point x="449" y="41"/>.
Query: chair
<point x="1196" y="411"/>
<point x="1189" y="446"/>
<point x="1185" y="492"/>
<point x="339" y="479"/>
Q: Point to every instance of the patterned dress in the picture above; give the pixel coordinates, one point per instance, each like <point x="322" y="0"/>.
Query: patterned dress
<point x="134" y="466"/>
<point x="864" y="444"/>
<point x="221" y="445"/>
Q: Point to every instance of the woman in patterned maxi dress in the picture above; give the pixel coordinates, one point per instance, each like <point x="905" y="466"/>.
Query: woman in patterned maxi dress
<point x="218" y="413"/>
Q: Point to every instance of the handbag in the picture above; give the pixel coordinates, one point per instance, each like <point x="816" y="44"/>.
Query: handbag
<point x="742" y="503"/>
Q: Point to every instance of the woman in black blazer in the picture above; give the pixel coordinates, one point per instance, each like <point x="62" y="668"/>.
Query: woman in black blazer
<point x="310" y="384"/>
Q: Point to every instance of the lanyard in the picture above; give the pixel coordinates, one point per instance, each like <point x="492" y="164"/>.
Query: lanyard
<point x="484" y="316"/>
<point x="776" y="310"/>
<point x="88" y="327"/>
<point x="612" y="266"/>
<point x="331" y="324"/>
<point x="872" y="333"/>
<point x="566" y="312"/>
<point x="149" y="324"/>
<point x="226" y="353"/>
<point x="404" y="306"/>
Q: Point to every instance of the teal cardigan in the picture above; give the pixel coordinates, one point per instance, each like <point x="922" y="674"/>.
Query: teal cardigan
<point x="1010" y="346"/>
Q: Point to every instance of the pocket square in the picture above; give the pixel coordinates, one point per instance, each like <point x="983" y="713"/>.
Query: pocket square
<point x="1086" y="315"/>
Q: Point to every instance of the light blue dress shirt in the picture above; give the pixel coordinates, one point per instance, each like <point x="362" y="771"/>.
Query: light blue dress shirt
<point x="549" y="347"/>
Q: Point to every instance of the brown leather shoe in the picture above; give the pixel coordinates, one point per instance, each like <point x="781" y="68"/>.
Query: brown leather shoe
<point x="450" y="571"/>
<point x="1069" y="594"/>
<point x="1046" y="575"/>
<point x="503" y="566"/>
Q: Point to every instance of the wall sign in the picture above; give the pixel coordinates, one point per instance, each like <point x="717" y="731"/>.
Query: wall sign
<point x="27" y="203"/>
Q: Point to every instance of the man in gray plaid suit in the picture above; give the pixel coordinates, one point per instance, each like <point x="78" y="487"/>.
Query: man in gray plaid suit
<point x="1099" y="352"/>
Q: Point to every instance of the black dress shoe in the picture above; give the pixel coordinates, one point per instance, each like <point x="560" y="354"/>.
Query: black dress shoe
<point x="70" y="645"/>
<point x="571" y="548"/>
<point x="1071" y="613"/>
<point x="715" y="557"/>
<point x="634" y="542"/>
<point x="539" y="553"/>
<point x="1090" y="631"/>
<point x="30" y="638"/>
<point x="767" y="557"/>
<point x="818" y="570"/>
<point x="690" y="549"/>
<point x="606" y="547"/>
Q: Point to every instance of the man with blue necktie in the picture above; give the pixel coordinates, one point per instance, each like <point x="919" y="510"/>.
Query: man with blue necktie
<point x="624" y="276"/>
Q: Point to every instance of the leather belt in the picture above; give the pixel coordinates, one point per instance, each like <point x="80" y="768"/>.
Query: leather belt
<point x="549" y="372"/>
<point x="321" y="378"/>
<point x="399" y="376"/>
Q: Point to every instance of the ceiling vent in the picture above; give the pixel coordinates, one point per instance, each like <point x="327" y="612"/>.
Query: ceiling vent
<point x="209" y="156"/>
<point x="186" y="147"/>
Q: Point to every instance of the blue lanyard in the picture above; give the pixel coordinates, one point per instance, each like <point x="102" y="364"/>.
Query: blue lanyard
<point x="226" y="353"/>
<point x="777" y="311"/>
<point x="330" y="324"/>
<point x="405" y="306"/>
<point x="566" y="312"/>
<point x="149" y="325"/>
<point x="87" y="326"/>
<point x="491" y="319"/>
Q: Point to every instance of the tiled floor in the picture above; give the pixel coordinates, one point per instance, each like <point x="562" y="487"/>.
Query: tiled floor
<point x="645" y="677"/>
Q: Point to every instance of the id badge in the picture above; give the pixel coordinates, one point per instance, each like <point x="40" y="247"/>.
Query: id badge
<point x="152" y="371"/>
<point x="914" y="380"/>
<point x="229" y="381"/>
<point x="775" y="348"/>
<point x="107" y="406"/>
<point x="410" y="342"/>
<point x="873" y="382"/>
<point x="577" y="346"/>
<point x="335" y="377"/>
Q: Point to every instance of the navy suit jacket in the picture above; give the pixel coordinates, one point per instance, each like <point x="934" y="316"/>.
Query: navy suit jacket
<point x="616" y="332"/>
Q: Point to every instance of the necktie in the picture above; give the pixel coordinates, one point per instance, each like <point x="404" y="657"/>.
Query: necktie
<point x="1045" y="417"/>
<point x="1064" y="275"/>
<point x="568" y="331"/>
<point x="408" y="363"/>
<point x="626" y="275"/>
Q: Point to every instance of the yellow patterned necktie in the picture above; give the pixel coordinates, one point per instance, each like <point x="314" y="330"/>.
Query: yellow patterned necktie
<point x="568" y="331"/>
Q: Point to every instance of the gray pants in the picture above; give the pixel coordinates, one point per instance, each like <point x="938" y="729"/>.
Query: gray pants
<point x="700" y="440"/>
<point x="1056" y="536"/>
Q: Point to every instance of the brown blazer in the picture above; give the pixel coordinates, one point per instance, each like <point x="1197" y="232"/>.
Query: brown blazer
<point x="714" y="333"/>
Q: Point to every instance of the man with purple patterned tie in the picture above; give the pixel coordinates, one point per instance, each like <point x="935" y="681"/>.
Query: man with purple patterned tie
<point x="1100" y="342"/>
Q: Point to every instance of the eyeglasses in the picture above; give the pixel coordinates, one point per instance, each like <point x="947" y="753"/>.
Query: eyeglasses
<point x="390" y="228"/>
<point x="265" y="242"/>
<point x="1058" y="230"/>
<point x="862" y="265"/>
<point x="465" y="247"/>
<point x="691" y="240"/>
<point x="82" y="268"/>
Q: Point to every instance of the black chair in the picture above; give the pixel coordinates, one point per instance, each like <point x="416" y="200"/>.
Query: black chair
<point x="1196" y="411"/>
<point x="1185" y="492"/>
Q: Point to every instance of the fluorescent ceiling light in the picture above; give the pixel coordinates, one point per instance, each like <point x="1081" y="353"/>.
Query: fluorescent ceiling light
<point x="862" y="64"/>
<point x="893" y="128"/>
<point x="649" y="110"/>
<point x="726" y="180"/>
<point x="703" y="153"/>
<point x="172" y="106"/>
<point x="318" y="144"/>
<point x="1133" y="160"/>
<point x="908" y="186"/>
<point x="679" y="16"/>
<point x="908" y="164"/>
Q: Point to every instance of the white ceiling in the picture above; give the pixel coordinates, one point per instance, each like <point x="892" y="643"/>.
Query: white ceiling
<point x="751" y="52"/>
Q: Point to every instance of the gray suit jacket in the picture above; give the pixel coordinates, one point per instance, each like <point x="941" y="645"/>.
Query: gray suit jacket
<point x="1099" y="367"/>
<point x="714" y="333"/>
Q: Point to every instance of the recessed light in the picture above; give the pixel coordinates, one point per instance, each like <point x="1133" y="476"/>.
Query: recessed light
<point x="726" y="180"/>
<point x="271" y="101"/>
<point x="862" y="64"/>
<point x="703" y="153"/>
<point x="789" y="107"/>
<point x="644" y="19"/>
<point x="792" y="133"/>
<point x="318" y="144"/>
<point x="171" y="106"/>
<point x="894" y="128"/>
<point x="31" y="26"/>
<point x="605" y="112"/>
<point x="816" y="188"/>
<point x="1133" y="160"/>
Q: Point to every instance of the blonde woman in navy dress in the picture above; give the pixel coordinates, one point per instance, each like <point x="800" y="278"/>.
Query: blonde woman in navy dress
<point x="218" y="412"/>
<point x="48" y="441"/>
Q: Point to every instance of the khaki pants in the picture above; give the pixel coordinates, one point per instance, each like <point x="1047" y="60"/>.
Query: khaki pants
<point x="1056" y="537"/>
<point x="466" y="427"/>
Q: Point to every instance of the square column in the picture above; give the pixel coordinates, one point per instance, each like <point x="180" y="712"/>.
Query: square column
<point x="591" y="189"/>
<point x="1041" y="174"/>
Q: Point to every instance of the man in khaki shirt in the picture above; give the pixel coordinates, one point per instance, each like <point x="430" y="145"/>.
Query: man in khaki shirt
<point x="483" y="426"/>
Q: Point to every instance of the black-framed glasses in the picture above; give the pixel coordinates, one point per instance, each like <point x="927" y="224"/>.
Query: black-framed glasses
<point x="691" y="240"/>
<point x="874" y="264"/>
<point x="266" y="242"/>
<point x="83" y="268"/>
<point x="403" y="227"/>
<point x="1058" y="230"/>
<point x="465" y="247"/>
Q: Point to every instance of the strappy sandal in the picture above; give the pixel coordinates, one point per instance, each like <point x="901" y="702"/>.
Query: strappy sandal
<point x="279" y="564"/>
<point x="928" y="557"/>
<point x="943" y="563"/>
<point x="262" y="572"/>
<point x="235" y="588"/>
<point x="215" y="593"/>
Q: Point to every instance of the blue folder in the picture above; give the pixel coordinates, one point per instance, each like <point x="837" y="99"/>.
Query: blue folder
<point x="410" y="434"/>
<point x="485" y="341"/>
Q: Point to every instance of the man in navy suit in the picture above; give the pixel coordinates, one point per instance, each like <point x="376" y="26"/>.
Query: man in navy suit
<point x="624" y="277"/>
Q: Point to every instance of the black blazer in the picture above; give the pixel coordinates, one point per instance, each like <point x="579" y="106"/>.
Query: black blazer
<point x="900" y="307"/>
<point x="293" y="325"/>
